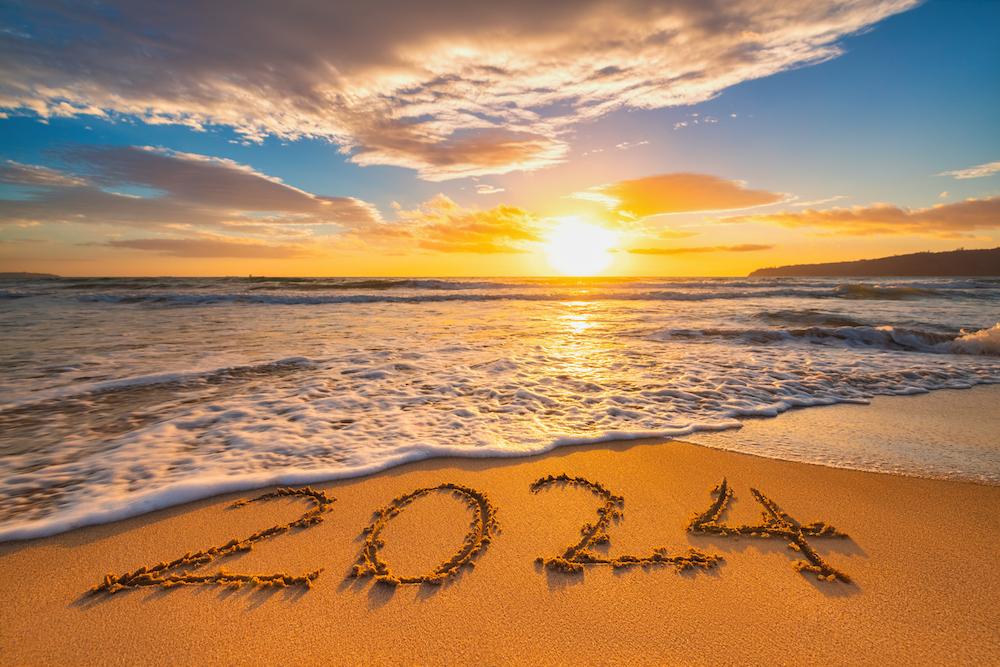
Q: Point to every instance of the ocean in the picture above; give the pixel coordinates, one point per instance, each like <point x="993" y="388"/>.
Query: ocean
<point x="123" y="395"/>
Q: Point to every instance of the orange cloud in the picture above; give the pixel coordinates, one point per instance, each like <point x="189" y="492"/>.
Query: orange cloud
<point x="677" y="193"/>
<point x="947" y="220"/>
<point x="743" y="247"/>
<point x="441" y="225"/>
<point x="454" y="89"/>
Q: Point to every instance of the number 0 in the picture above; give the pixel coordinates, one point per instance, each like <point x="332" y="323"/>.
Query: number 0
<point x="484" y="526"/>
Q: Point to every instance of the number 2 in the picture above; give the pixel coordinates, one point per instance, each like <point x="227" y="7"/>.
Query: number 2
<point x="168" y="574"/>
<point x="577" y="555"/>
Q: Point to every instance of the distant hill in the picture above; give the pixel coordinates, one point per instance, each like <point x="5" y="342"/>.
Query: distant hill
<point x="24" y="275"/>
<point x="953" y="263"/>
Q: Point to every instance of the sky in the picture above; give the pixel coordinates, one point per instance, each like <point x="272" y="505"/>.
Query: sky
<point x="309" y="137"/>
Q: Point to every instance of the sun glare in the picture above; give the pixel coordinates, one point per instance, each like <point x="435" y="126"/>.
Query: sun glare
<point x="577" y="248"/>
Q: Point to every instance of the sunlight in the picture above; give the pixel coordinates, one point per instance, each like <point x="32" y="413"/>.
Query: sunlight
<point x="577" y="248"/>
<point x="578" y="322"/>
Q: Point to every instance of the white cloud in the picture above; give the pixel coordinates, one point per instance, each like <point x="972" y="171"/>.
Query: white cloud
<point x="450" y="90"/>
<point x="625" y="145"/>
<point x="979" y="171"/>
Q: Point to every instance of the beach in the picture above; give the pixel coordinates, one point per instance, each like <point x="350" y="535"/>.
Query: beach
<point x="919" y="553"/>
<point x="561" y="333"/>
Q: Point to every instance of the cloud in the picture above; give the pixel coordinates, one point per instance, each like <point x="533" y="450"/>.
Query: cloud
<point x="626" y="145"/>
<point x="743" y="247"/>
<point x="203" y="180"/>
<point x="463" y="152"/>
<point x="15" y="173"/>
<point x="441" y="225"/>
<point x="212" y="247"/>
<point x="979" y="171"/>
<point x="449" y="89"/>
<point x="698" y="119"/>
<point x="175" y="188"/>
<point x="484" y="189"/>
<point x="947" y="220"/>
<point x="677" y="193"/>
<point x="670" y="233"/>
<point x="816" y="202"/>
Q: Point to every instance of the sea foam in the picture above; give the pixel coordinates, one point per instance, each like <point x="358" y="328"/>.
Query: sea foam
<point x="125" y="395"/>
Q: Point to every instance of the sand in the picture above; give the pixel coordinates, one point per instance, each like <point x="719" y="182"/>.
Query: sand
<point x="922" y="557"/>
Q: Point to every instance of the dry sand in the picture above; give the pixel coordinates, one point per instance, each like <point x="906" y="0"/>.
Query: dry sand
<point x="922" y="554"/>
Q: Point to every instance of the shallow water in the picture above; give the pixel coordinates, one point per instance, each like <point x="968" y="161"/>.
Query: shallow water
<point x="123" y="395"/>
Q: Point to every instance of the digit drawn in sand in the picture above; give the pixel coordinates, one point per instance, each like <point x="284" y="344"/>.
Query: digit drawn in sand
<point x="776" y="523"/>
<point x="484" y="525"/>
<point x="580" y="554"/>
<point x="157" y="575"/>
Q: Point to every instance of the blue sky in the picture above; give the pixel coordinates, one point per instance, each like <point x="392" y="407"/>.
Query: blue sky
<point x="909" y="97"/>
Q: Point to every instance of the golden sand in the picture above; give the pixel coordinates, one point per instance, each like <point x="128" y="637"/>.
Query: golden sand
<point x="920" y="559"/>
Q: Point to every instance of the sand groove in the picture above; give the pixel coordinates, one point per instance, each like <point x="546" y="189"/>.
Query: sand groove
<point x="577" y="555"/>
<point x="776" y="523"/>
<point x="481" y="530"/>
<point x="156" y="575"/>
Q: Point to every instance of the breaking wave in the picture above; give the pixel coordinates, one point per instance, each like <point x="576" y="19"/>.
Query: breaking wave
<point x="890" y="293"/>
<point x="985" y="341"/>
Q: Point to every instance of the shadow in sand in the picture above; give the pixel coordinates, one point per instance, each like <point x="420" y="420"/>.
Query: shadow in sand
<point x="778" y="545"/>
<point x="380" y="592"/>
<point x="559" y="581"/>
<point x="253" y="596"/>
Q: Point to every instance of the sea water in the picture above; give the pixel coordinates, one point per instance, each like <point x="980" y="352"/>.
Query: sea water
<point x="119" y="396"/>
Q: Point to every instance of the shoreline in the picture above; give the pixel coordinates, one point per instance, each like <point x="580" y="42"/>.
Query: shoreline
<point x="796" y="421"/>
<point x="918" y="554"/>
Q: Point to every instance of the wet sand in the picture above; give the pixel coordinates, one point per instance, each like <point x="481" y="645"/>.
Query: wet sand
<point x="921" y="555"/>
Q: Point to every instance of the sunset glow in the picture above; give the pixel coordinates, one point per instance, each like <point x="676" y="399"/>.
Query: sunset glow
<point x="443" y="279"/>
<point x="687" y="138"/>
<point x="577" y="248"/>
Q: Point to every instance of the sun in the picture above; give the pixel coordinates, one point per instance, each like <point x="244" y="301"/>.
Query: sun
<point x="577" y="248"/>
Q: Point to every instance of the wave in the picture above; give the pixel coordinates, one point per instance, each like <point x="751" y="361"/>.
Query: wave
<point x="885" y="292"/>
<point x="292" y="284"/>
<point x="809" y="317"/>
<point x="981" y="342"/>
<point x="875" y="288"/>
<point x="318" y="291"/>
<point x="206" y="486"/>
<point x="984" y="341"/>
<point x="189" y="299"/>
<point x="161" y="381"/>
<point x="287" y="298"/>
<point x="115" y="507"/>
<point x="377" y="284"/>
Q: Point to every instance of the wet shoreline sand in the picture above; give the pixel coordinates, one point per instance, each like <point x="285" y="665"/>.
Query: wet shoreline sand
<point x="920" y="556"/>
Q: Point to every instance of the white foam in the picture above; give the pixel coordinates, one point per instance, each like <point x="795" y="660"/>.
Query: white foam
<point x="135" y="504"/>
<point x="984" y="341"/>
<point x="158" y="406"/>
<point x="174" y="377"/>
